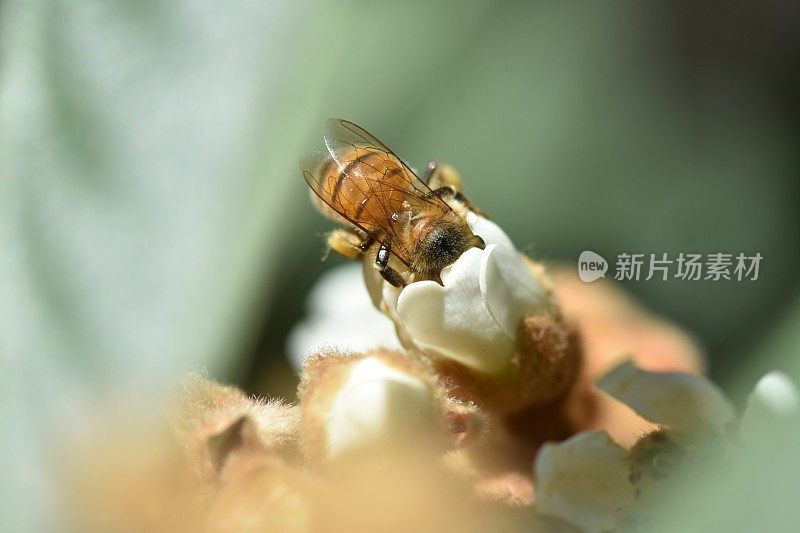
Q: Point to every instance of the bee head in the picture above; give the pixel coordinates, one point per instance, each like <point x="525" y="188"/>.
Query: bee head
<point x="443" y="243"/>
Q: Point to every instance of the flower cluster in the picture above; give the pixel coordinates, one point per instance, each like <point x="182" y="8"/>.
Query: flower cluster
<point x="594" y="483"/>
<point x="470" y="405"/>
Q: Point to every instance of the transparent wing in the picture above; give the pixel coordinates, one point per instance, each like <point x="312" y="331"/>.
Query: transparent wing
<point x="343" y="137"/>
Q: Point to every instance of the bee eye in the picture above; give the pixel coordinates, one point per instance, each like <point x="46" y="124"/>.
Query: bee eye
<point x="479" y="243"/>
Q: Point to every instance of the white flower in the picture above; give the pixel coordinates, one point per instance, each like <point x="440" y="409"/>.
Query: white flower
<point x="341" y="316"/>
<point x="584" y="480"/>
<point x="474" y="317"/>
<point x="774" y="399"/>
<point x="686" y="403"/>
<point x="376" y="404"/>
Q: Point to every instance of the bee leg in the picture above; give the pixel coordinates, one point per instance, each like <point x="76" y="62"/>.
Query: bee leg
<point x="438" y="175"/>
<point x="389" y="274"/>
<point x="429" y="171"/>
<point x="348" y="243"/>
<point x="445" y="182"/>
<point x="449" y="193"/>
<point x="366" y="244"/>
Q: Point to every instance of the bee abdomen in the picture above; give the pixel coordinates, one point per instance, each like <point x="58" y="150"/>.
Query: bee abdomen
<point x="348" y="184"/>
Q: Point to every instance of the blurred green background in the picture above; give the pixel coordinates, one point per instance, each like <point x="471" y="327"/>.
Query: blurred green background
<point x="154" y="217"/>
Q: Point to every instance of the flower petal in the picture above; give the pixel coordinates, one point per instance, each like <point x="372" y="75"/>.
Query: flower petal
<point x="687" y="403"/>
<point x="584" y="481"/>
<point x="487" y="230"/>
<point x="376" y="404"/>
<point x="774" y="399"/>
<point x="341" y="316"/>
<point x="453" y="321"/>
<point x="509" y="288"/>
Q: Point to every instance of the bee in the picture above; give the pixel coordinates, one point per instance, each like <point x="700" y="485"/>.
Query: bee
<point x="410" y="228"/>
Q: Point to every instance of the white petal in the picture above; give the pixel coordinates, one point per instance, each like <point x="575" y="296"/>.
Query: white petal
<point x="774" y="399"/>
<point x="340" y="288"/>
<point x="685" y="402"/>
<point x="341" y="316"/>
<point x="584" y="481"/>
<point x="487" y="230"/>
<point x="452" y="320"/>
<point x="509" y="288"/>
<point x="377" y="403"/>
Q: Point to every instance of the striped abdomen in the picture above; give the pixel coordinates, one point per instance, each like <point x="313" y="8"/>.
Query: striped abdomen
<point x="367" y="187"/>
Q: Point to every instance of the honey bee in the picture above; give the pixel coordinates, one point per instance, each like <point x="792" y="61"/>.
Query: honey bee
<point x="413" y="227"/>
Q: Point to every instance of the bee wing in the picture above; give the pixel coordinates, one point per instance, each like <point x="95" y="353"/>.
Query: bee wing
<point x="359" y="158"/>
<point x="316" y="183"/>
<point x="343" y="137"/>
<point x="315" y="168"/>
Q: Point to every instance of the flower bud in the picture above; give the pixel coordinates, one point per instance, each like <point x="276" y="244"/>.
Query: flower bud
<point x="374" y="403"/>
